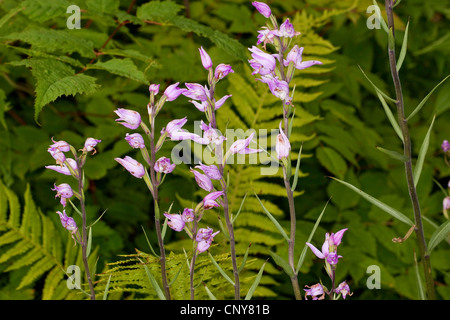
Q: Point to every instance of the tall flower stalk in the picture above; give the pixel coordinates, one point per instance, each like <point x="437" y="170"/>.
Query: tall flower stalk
<point x="157" y="168"/>
<point x="277" y="71"/>
<point x="403" y="123"/>
<point x="203" y="98"/>
<point x="74" y="167"/>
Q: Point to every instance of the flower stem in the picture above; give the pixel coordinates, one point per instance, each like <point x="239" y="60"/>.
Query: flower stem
<point x="84" y="232"/>
<point x="157" y="214"/>
<point x="403" y="122"/>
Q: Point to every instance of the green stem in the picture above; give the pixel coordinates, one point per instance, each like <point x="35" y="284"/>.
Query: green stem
<point x="84" y="231"/>
<point x="403" y="122"/>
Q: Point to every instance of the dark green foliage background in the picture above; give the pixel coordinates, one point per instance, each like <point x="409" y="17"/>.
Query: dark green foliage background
<point x="162" y="49"/>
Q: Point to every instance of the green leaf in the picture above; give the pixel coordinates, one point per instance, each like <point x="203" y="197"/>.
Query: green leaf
<point x="55" y="79"/>
<point x="50" y="40"/>
<point x="244" y="260"/>
<point x="209" y="293"/>
<point x="214" y="262"/>
<point x="122" y="67"/>
<point x="438" y="235"/>
<point x="305" y="248"/>
<point x="422" y="103"/>
<point x="240" y="208"/>
<point x="153" y="282"/>
<point x="297" y="167"/>
<point x="255" y="283"/>
<point x="283" y="264"/>
<point x="404" y="48"/>
<point x="422" y="153"/>
<point x="391" y="117"/>
<point x="393" y="212"/>
<point x="103" y="6"/>
<point x="332" y="161"/>
<point x="420" y="288"/>
<point x="166" y="12"/>
<point x="376" y="88"/>
<point x="44" y="10"/>
<point x="105" y="294"/>
<point x="393" y="154"/>
<point x="275" y="222"/>
<point x="89" y="243"/>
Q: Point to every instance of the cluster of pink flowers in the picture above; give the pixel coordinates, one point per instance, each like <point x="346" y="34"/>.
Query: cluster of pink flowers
<point x="70" y="167"/>
<point x="271" y="67"/>
<point x="329" y="254"/>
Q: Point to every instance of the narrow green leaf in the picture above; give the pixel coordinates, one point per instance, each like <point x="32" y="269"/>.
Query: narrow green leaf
<point x="422" y="152"/>
<point x="282" y="263"/>
<point x="388" y="209"/>
<point x="89" y="243"/>
<point x="404" y="48"/>
<point x="148" y="242"/>
<point x="297" y="167"/>
<point x="275" y="222"/>
<point x="397" y="2"/>
<point x="105" y="294"/>
<point x="422" y="103"/>
<point x="420" y="288"/>
<point x="438" y="235"/>
<point x="210" y="294"/>
<point x="380" y="17"/>
<point x="303" y="254"/>
<point x="375" y="87"/>
<point x="255" y="283"/>
<point x="214" y="262"/>
<point x="153" y="282"/>
<point x="93" y="223"/>
<point x="244" y="260"/>
<point x="240" y="207"/>
<point x="391" y="39"/>
<point x="177" y="274"/>
<point x="391" y="117"/>
<point x="393" y="154"/>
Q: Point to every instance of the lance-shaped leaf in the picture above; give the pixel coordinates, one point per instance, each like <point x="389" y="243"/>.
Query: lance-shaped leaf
<point x="214" y="262"/>
<point x="422" y="152"/>
<point x="105" y="294"/>
<point x="297" y="167"/>
<point x="275" y="222"/>
<point x="420" y="288"/>
<point x="422" y="103"/>
<point x="402" y="54"/>
<point x="388" y="209"/>
<point x="210" y="294"/>
<point x="255" y="283"/>
<point x="153" y="282"/>
<point x="391" y="117"/>
<point x="393" y="154"/>
<point x="438" y="235"/>
<point x="375" y="87"/>
<point x="303" y="254"/>
<point x="89" y="243"/>
<point x="283" y="264"/>
<point x="239" y="211"/>
<point x="244" y="260"/>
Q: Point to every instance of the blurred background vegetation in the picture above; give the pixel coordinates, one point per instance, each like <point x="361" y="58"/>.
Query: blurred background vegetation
<point x="339" y="121"/>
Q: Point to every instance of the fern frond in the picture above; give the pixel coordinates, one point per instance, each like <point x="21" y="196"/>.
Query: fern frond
<point x="30" y="240"/>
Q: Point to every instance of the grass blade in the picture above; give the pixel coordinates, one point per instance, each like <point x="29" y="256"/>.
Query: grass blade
<point x="148" y="242"/>
<point x="244" y="259"/>
<point x="210" y="294"/>
<point x="388" y="209"/>
<point x="283" y="264"/>
<point x="422" y="152"/>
